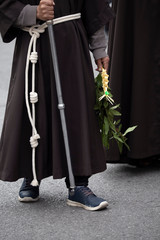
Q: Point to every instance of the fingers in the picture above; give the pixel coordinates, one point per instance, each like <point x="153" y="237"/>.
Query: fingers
<point x="105" y="62"/>
<point x="99" y="65"/>
<point x="45" y="10"/>
<point x="48" y="2"/>
<point x="102" y="63"/>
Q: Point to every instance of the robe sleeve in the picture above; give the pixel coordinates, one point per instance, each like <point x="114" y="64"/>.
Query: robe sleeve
<point x="9" y="11"/>
<point x="95" y="14"/>
<point x="98" y="44"/>
<point x="27" y="17"/>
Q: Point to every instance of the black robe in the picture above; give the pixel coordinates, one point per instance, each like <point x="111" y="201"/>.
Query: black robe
<point x="134" y="49"/>
<point x="78" y="91"/>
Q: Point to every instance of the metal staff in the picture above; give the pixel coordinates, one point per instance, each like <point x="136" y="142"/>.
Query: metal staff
<point x="61" y="105"/>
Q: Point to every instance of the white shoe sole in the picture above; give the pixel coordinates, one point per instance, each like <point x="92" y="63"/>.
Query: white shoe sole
<point x="102" y="205"/>
<point x="28" y="199"/>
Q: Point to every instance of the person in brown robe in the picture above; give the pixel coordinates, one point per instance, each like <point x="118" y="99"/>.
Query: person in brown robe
<point x="78" y="90"/>
<point x="135" y="78"/>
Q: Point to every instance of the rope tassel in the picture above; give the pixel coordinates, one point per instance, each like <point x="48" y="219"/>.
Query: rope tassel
<point x="32" y="57"/>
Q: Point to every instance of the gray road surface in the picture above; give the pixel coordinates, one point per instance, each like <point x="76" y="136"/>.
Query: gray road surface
<point x="133" y="195"/>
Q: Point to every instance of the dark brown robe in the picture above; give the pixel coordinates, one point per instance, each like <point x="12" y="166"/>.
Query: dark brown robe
<point x="134" y="49"/>
<point x="78" y="91"/>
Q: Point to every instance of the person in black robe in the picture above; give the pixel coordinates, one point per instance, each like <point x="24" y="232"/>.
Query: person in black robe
<point x="78" y="90"/>
<point x="135" y="79"/>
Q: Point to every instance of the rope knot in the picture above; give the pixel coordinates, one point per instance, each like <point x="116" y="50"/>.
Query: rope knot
<point x="33" y="57"/>
<point x="33" y="97"/>
<point x="36" y="30"/>
<point x="34" y="140"/>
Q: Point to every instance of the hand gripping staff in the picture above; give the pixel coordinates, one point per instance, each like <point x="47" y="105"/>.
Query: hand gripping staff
<point x="61" y="105"/>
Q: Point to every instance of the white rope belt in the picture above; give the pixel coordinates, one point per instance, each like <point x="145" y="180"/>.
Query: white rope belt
<point x="32" y="56"/>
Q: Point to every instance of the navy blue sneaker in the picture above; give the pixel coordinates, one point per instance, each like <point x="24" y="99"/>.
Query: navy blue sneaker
<point x="27" y="192"/>
<point x="85" y="198"/>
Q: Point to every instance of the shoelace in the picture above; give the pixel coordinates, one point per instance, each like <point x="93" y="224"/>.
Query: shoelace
<point x="86" y="191"/>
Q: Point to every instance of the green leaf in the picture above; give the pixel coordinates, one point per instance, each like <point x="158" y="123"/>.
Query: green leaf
<point x="120" y="146"/>
<point x="118" y="138"/>
<point x="127" y="146"/>
<point x="116" y="106"/>
<point x="105" y="104"/>
<point x="119" y="127"/>
<point x="130" y="129"/>
<point x="105" y="141"/>
<point x="118" y="122"/>
<point x="109" y="118"/>
<point x="112" y="126"/>
<point x="115" y="113"/>
<point x="106" y="125"/>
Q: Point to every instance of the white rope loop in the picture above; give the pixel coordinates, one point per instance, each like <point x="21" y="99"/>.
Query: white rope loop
<point x="36" y="30"/>
<point x="32" y="56"/>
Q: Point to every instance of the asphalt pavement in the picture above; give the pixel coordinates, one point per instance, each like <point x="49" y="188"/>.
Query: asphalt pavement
<point x="133" y="195"/>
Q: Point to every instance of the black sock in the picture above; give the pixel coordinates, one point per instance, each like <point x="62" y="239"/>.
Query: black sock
<point x="79" y="181"/>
